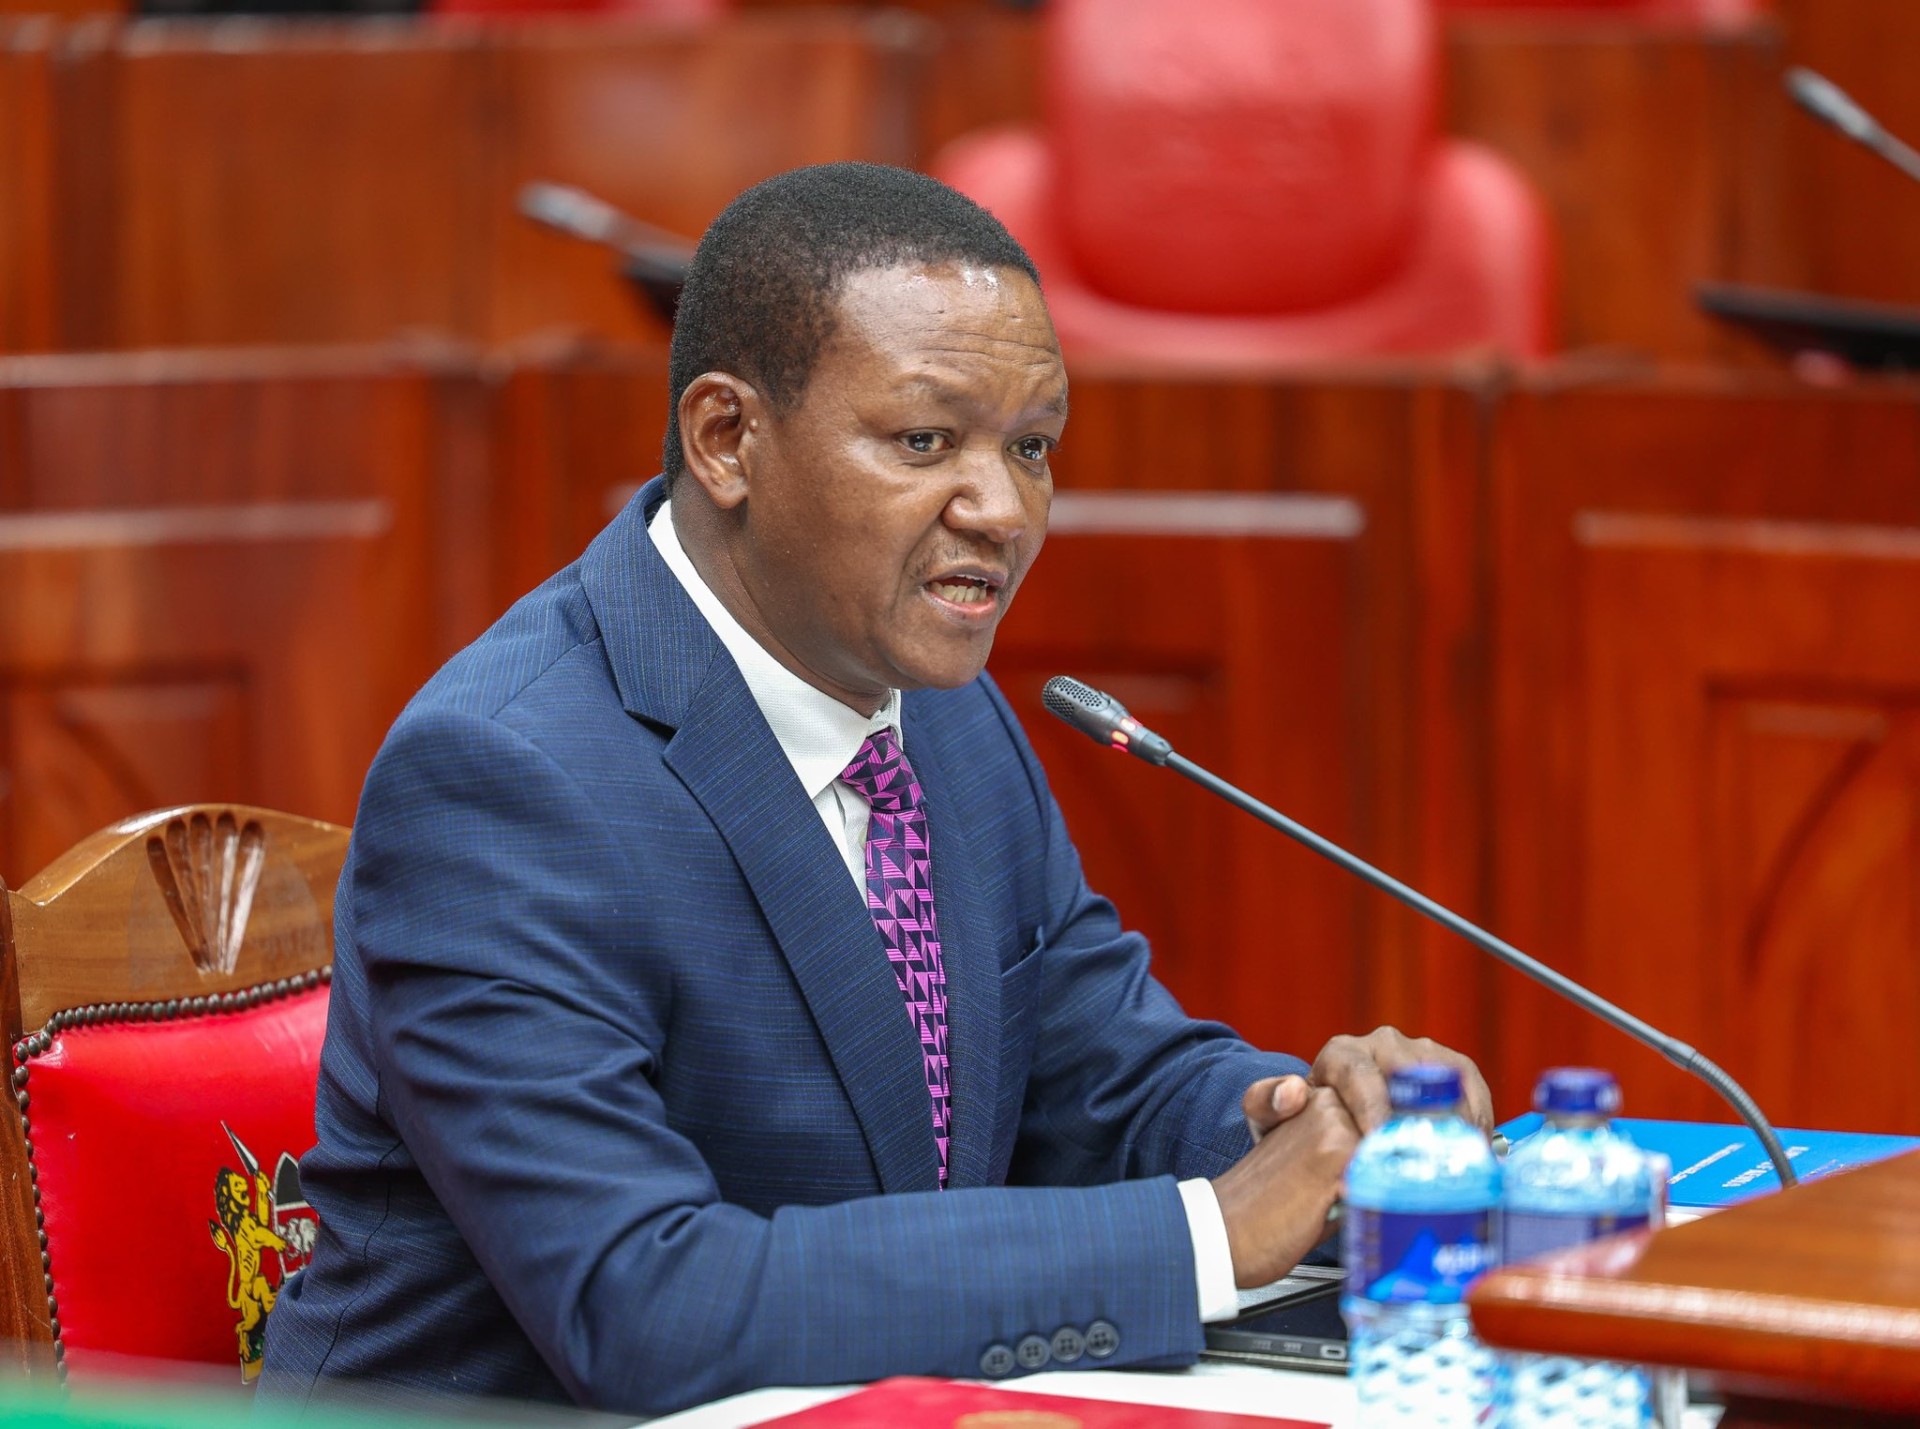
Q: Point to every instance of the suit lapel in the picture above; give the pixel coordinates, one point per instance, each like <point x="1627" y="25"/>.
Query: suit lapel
<point x="972" y="969"/>
<point x="672" y="671"/>
<point x="731" y="763"/>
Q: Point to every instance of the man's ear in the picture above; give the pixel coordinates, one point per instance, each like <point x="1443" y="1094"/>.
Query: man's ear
<point x="721" y="417"/>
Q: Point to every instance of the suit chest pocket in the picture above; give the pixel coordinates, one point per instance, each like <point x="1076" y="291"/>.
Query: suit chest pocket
<point x="1020" y="994"/>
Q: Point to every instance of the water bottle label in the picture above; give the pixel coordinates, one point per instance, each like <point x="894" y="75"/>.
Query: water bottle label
<point x="1529" y="1233"/>
<point x="1408" y="1258"/>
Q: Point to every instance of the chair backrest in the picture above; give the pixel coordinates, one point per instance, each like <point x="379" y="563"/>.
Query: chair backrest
<point x="1257" y="158"/>
<point x="164" y="988"/>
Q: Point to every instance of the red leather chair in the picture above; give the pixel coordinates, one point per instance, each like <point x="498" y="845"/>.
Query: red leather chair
<point x="1259" y="182"/>
<point x="164" y="986"/>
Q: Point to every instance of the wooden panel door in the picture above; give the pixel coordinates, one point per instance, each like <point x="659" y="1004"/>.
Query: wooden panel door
<point x="1755" y="798"/>
<point x="221" y="581"/>
<point x="1708" y="791"/>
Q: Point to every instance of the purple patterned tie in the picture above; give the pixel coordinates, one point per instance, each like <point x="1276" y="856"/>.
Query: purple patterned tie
<point x="900" y="898"/>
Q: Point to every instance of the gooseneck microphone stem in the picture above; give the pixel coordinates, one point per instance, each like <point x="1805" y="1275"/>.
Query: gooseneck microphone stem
<point x="1832" y="105"/>
<point x="1103" y="718"/>
<point x="1672" y="1048"/>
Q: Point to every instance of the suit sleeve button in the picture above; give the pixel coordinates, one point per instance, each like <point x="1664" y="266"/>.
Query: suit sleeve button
<point x="1032" y="1352"/>
<point x="997" y="1362"/>
<point x="1102" y="1339"/>
<point x="1068" y="1344"/>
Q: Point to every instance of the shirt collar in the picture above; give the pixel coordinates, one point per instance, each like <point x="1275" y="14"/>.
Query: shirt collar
<point x="819" y="735"/>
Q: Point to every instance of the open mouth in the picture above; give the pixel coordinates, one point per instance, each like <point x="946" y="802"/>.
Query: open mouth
<point x="963" y="590"/>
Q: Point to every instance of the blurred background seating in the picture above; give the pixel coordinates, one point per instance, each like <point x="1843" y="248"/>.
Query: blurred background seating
<point x="1367" y="234"/>
<point x="1608" y="648"/>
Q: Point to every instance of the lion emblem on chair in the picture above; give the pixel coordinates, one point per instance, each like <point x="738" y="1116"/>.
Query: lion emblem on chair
<point x="266" y="1229"/>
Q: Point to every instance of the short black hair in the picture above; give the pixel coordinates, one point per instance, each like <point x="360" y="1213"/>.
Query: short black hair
<point x="760" y="293"/>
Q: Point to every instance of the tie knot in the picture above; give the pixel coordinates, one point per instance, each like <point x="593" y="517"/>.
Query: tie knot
<point x="882" y="775"/>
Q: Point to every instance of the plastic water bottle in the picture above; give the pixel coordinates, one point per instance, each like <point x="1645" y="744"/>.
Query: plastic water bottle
<point x="1423" y="1197"/>
<point x="1574" y="1180"/>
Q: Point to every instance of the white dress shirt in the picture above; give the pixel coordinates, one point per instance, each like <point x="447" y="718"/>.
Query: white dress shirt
<point x="820" y="737"/>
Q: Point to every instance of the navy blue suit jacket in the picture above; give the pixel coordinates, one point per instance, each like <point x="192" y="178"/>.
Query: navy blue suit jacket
<point x="619" y="1100"/>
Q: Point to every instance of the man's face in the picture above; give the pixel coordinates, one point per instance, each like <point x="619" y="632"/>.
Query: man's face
<point x="892" y="512"/>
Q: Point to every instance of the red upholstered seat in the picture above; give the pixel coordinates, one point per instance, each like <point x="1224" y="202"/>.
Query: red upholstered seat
<point x="165" y="1148"/>
<point x="171" y="978"/>
<point x="1263" y="187"/>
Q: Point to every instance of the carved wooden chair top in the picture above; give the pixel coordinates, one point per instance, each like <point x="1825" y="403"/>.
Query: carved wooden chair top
<point x="163" y="986"/>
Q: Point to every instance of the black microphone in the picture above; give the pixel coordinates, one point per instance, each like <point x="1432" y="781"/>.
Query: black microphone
<point x="1829" y="103"/>
<point x="1100" y="716"/>
<point x="652" y="259"/>
<point x="1103" y="718"/>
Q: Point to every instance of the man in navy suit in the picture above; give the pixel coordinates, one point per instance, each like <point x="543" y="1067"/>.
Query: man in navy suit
<point x="718" y="1001"/>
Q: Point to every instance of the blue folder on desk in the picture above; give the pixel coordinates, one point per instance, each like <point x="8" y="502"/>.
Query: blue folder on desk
<point x="1715" y="1166"/>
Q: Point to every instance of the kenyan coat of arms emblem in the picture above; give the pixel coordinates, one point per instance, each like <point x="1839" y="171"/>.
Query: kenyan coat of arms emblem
<point x="266" y="1229"/>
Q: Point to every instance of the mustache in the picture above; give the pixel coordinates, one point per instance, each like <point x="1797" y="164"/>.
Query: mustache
<point x="1005" y="564"/>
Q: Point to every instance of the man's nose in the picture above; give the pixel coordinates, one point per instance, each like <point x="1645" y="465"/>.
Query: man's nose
<point x="993" y="499"/>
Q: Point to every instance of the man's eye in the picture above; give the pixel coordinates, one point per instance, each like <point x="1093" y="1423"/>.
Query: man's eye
<point x="1034" y="449"/>
<point x="926" y="443"/>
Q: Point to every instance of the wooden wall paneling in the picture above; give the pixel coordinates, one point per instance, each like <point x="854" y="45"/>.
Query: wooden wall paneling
<point x="1857" y="218"/>
<point x="1655" y="148"/>
<point x="1707" y="802"/>
<point x="1190" y="612"/>
<point x="27" y="246"/>
<point x="279" y="182"/>
<point x="986" y="69"/>
<point x="989" y="71"/>
<point x="84" y="213"/>
<point x="670" y="123"/>
<point x="221" y="582"/>
<point x="61" y="9"/>
<point x="578" y="429"/>
<point x="1329" y="668"/>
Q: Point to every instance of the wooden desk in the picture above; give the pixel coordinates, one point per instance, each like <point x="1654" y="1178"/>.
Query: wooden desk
<point x="1803" y="1307"/>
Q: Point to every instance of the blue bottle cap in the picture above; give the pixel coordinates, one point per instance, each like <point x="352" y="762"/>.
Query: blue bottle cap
<point x="1577" y="1090"/>
<point x="1424" y="1087"/>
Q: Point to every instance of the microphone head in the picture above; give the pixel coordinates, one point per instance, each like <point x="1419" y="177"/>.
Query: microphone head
<point x="1101" y="717"/>
<point x="569" y="210"/>
<point x="1070" y="700"/>
<point x="1827" y="101"/>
